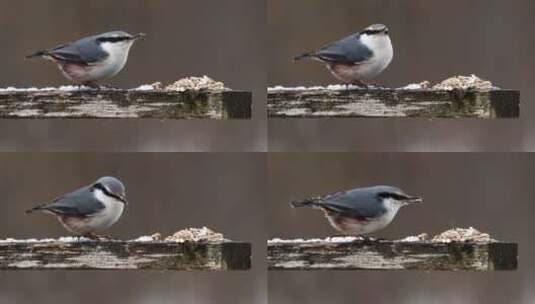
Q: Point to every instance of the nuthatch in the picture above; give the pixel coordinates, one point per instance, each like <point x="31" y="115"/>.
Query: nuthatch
<point x="92" y="58"/>
<point x="362" y="210"/>
<point x="89" y="209"/>
<point x="359" y="57"/>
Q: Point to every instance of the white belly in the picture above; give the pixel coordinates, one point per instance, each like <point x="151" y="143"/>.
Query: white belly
<point x="354" y="227"/>
<point x="96" y="72"/>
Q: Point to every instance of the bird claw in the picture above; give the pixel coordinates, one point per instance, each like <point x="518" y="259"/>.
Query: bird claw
<point x="109" y="88"/>
<point x="95" y="86"/>
<point x="358" y="83"/>
<point x="367" y="239"/>
<point x="96" y="237"/>
<point x="366" y="86"/>
<point x="92" y="85"/>
<point x="377" y="86"/>
<point x="358" y="238"/>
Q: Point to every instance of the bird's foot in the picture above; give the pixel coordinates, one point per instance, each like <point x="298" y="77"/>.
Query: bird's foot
<point x="358" y="238"/>
<point x="377" y="86"/>
<point x="109" y="87"/>
<point x="340" y="236"/>
<point x="97" y="237"/>
<point x="95" y="86"/>
<point x="368" y="238"/>
<point x="90" y="236"/>
<point x="92" y="85"/>
<point x="78" y="238"/>
<point x="359" y="84"/>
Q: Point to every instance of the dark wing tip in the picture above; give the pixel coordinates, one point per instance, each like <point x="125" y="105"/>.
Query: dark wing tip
<point x="310" y="202"/>
<point x="304" y="56"/>
<point x="36" y="54"/>
<point x="295" y="204"/>
<point x="32" y="210"/>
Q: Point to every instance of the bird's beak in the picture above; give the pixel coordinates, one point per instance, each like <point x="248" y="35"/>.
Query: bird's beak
<point x="137" y="36"/>
<point x="414" y="200"/>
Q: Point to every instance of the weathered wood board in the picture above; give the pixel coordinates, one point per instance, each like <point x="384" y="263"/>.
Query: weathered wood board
<point x="392" y="255"/>
<point x="126" y="104"/>
<point x="382" y="103"/>
<point x="125" y="255"/>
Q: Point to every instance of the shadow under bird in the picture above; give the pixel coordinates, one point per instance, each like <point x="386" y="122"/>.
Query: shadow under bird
<point x="357" y="58"/>
<point x="89" y="209"/>
<point x="93" y="58"/>
<point x="362" y="210"/>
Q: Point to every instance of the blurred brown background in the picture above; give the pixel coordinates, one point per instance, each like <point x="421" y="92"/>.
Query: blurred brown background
<point x="224" y="39"/>
<point x="433" y="40"/>
<point x="167" y="192"/>
<point x="492" y="192"/>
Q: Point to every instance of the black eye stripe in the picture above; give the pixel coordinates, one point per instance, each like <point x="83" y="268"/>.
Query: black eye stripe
<point x="108" y="193"/>
<point x="113" y="39"/>
<point x="395" y="196"/>
<point x="372" y="32"/>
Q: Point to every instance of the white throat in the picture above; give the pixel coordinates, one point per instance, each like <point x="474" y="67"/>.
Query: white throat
<point x="113" y="209"/>
<point x="392" y="207"/>
<point x="383" y="53"/>
<point x="118" y="55"/>
<point x="376" y="42"/>
<point x="117" y="49"/>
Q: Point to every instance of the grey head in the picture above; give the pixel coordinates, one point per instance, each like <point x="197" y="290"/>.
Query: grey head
<point x="116" y="37"/>
<point x="375" y="29"/>
<point x="82" y="202"/>
<point x="365" y="202"/>
<point x="111" y="186"/>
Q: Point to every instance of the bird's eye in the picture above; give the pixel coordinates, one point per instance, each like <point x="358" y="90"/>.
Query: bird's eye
<point x="113" y="39"/>
<point x="385" y="195"/>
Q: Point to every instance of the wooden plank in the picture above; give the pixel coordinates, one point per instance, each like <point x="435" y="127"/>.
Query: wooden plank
<point x="392" y="255"/>
<point x="125" y="255"/>
<point x="112" y="103"/>
<point x="382" y="103"/>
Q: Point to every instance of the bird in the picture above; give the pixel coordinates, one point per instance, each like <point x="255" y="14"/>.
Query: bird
<point x="357" y="58"/>
<point x="92" y="58"/>
<point x="90" y="208"/>
<point x="360" y="211"/>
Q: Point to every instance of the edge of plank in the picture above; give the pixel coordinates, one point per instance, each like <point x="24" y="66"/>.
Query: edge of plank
<point x="141" y="104"/>
<point x="503" y="103"/>
<point x="126" y="255"/>
<point x="498" y="256"/>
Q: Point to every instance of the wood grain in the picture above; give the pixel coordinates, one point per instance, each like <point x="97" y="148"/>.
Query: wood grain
<point x="382" y="103"/>
<point x="393" y="255"/>
<point x="125" y="255"/>
<point x="124" y="104"/>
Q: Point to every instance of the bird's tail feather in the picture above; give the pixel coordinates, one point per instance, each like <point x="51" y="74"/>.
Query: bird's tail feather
<point x="38" y="54"/>
<point x="309" y="202"/>
<point x="36" y="208"/>
<point x="305" y="56"/>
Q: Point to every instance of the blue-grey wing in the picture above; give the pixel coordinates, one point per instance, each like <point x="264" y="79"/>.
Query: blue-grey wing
<point x="84" y="51"/>
<point x="357" y="202"/>
<point x="348" y="50"/>
<point x="80" y="202"/>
